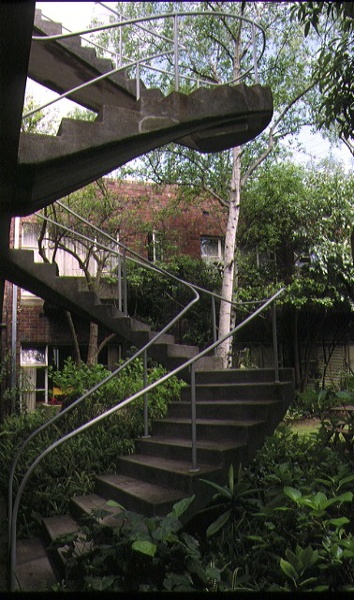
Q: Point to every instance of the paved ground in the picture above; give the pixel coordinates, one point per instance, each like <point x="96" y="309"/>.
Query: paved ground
<point x="3" y="544"/>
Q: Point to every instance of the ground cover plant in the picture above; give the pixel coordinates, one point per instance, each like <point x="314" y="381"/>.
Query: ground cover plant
<point x="70" y="468"/>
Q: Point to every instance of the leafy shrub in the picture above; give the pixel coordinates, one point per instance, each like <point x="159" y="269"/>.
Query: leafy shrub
<point x="314" y="403"/>
<point x="138" y="554"/>
<point x="293" y="532"/>
<point x="70" y="468"/>
<point x="156" y="299"/>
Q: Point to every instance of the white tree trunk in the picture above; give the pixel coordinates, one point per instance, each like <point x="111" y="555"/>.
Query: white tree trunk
<point x="224" y="349"/>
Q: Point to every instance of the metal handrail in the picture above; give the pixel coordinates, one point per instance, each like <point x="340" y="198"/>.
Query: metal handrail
<point x="177" y="46"/>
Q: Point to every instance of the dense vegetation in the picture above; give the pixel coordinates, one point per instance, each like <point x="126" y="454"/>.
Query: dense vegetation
<point x="282" y="524"/>
<point x="70" y="468"/>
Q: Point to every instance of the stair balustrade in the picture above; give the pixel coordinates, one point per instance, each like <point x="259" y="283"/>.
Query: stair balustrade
<point x="189" y="363"/>
<point x="180" y="44"/>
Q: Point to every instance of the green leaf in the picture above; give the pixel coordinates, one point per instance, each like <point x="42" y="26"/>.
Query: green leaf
<point x="114" y="504"/>
<point x="288" y="569"/>
<point x="223" y="491"/>
<point x="292" y="493"/>
<point x="145" y="547"/>
<point x="346" y="497"/>
<point x="347" y="479"/>
<point x="339" y="522"/>
<point x="218" y="524"/>
<point x="180" y="507"/>
<point x="100" y="585"/>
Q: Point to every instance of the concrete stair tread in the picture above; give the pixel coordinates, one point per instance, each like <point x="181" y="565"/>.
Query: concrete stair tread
<point x="85" y="506"/>
<point x="167" y="464"/>
<point x="241" y="384"/>
<point x="233" y="402"/>
<point x="186" y="443"/>
<point x="211" y="422"/>
<point x="59" y="525"/>
<point x="34" y="570"/>
<point x="153" y="493"/>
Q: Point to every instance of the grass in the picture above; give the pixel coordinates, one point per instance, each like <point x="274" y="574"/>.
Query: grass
<point x="305" y="426"/>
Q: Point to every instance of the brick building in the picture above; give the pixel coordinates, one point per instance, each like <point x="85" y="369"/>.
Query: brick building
<point x="154" y="221"/>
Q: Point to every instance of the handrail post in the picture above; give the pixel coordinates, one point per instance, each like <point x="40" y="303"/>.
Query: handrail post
<point x="275" y="343"/>
<point x="125" y="283"/>
<point x="120" y="307"/>
<point x="194" y="468"/>
<point x="214" y="320"/>
<point x="138" y="80"/>
<point x="254" y="53"/>
<point x="146" y="409"/>
<point x="176" y="53"/>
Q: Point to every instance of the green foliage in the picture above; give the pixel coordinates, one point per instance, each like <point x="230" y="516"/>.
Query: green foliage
<point x="334" y="25"/>
<point x="157" y="299"/>
<point x="293" y="533"/>
<point x="314" y="403"/>
<point x="137" y="554"/>
<point x="70" y="468"/>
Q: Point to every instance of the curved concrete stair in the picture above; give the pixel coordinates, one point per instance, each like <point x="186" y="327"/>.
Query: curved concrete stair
<point x="64" y="64"/>
<point x="51" y="167"/>
<point x="68" y="293"/>
<point x="160" y="472"/>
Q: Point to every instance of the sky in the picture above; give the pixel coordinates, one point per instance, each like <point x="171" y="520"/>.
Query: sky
<point x="77" y="15"/>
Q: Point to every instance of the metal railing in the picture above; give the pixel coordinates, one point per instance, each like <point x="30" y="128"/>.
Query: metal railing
<point x="14" y="503"/>
<point x="175" y="47"/>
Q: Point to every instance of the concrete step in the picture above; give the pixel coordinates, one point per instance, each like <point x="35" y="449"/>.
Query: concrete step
<point x="138" y="495"/>
<point x="63" y="64"/>
<point x="213" y="452"/>
<point x="236" y="430"/>
<point x="34" y="571"/>
<point x="230" y="409"/>
<point x="240" y="391"/>
<point x="242" y="375"/>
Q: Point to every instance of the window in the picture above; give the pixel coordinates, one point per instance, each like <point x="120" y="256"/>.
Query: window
<point x="34" y="375"/>
<point x="212" y="248"/>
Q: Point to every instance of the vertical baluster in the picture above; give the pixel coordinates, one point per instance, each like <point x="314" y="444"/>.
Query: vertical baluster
<point x="194" y="466"/>
<point x="275" y="343"/>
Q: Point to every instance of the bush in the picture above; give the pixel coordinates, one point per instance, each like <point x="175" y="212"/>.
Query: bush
<point x="314" y="403"/>
<point x="156" y="299"/>
<point x="293" y="532"/>
<point x="70" y="469"/>
<point x="138" y="554"/>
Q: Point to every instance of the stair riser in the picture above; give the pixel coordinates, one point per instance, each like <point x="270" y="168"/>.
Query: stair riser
<point x="236" y="392"/>
<point x="235" y="433"/>
<point x="242" y="376"/>
<point x="213" y="410"/>
<point x="184" y="453"/>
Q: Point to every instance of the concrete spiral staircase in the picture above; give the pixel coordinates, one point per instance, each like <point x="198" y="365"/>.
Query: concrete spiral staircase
<point x="235" y="409"/>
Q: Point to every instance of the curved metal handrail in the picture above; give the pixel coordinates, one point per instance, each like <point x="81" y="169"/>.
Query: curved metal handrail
<point x="177" y="46"/>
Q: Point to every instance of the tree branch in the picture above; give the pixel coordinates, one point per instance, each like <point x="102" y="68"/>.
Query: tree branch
<point x="271" y="136"/>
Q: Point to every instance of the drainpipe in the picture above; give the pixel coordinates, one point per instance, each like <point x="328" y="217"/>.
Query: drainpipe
<point x="14" y="322"/>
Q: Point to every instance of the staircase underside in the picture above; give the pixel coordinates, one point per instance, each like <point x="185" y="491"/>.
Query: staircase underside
<point x="43" y="168"/>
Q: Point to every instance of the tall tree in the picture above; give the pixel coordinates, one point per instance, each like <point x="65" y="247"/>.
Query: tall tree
<point x="296" y="230"/>
<point x="334" y="25"/>
<point x="219" y="49"/>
